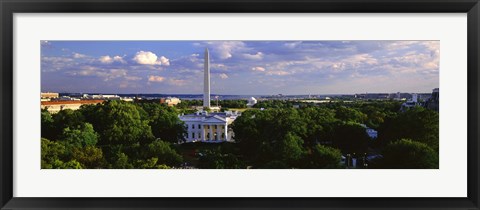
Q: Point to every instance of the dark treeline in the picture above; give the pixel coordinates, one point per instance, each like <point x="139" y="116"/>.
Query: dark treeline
<point x="119" y="134"/>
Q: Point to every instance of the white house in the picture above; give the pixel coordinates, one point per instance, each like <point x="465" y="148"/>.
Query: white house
<point x="209" y="127"/>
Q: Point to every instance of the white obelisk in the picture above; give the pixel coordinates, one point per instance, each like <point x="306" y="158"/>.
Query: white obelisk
<point x="206" y="80"/>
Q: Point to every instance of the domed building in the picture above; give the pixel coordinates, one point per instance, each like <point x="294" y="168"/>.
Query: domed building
<point x="252" y="101"/>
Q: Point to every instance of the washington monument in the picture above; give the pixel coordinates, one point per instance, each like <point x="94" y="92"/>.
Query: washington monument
<point x="206" y="80"/>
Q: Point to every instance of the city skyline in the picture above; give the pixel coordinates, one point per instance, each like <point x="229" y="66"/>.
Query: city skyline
<point x="240" y="67"/>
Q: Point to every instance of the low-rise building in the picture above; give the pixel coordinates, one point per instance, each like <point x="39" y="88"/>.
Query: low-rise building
<point x="56" y="106"/>
<point x="46" y="95"/>
<point x="170" y="101"/>
<point x="101" y="96"/>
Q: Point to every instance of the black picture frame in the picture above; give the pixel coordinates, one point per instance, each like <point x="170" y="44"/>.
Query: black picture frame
<point x="9" y="7"/>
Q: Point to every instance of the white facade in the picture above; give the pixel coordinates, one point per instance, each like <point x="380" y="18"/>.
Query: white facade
<point x="209" y="127"/>
<point x="171" y="101"/>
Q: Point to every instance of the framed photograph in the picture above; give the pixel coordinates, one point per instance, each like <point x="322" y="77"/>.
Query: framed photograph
<point x="239" y="105"/>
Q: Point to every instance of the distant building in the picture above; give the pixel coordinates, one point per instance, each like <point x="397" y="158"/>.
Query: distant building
<point x="127" y="99"/>
<point x="208" y="127"/>
<point x="412" y="102"/>
<point x="102" y="96"/>
<point x="374" y="96"/>
<point x="56" y="106"/>
<point x="49" y="95"/>
<point x="433" y="102"/>
<point x="252" y="101"/>
<point x="170" y="101"/>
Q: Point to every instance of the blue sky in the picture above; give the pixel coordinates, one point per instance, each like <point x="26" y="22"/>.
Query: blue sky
<point x="240" y="67"/>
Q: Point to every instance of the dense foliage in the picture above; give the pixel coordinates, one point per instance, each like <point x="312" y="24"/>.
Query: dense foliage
<point x="114" y="134"/>
<point x="119" y="134"/>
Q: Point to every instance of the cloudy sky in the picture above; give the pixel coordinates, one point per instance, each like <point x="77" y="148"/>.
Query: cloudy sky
<point x="240" y="67"/>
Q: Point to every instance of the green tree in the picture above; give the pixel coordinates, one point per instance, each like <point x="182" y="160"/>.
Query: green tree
<point x="89" y="157"/>
<point x="290" y="148"/>
<point x="164" y="154"/>
<point x="408" y="154"/>
<point x="66" y="118"/>
<point x="52" y="154"/>
<point x="350" y="114"/>
<point x="350" y="138"/>
<point x="319" y="121"/>
<point x="216" y="159"/>
<point x="47" y="126"/>
<point x="417" y="123"/>
<point x="272" y="134"/>
<point x="72" y="164"/>
<point x="121" y="129"/>
<point x="122" y="161"/>
<point x="80" y="136"/>
<point x="165" y="122"/>
<point x="323" y="157"/>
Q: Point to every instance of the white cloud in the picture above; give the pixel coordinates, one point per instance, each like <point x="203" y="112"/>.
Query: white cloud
<point x="106" y="59"/>
<point x="78" y="55"/>
<point x="218" y="66"/>
<point x="361" y="58"/>
<point x="278" y="73"/>
<point x="114" y="73"/>
<point x="258" y="56"/>
<point x="226" y="49"/>
<point x="258" y="68"/>
<point x="164" y="61"/>
<point x="57" y="59"/>
<point x="106" y="74"/>
<point x="150" y="58"/>
<point x="223" y="76"/>
<point x="153" y="78"/>
<point x="119" y="59"/>
<point x="292" y="45"/>
<point x="133" y="78"/>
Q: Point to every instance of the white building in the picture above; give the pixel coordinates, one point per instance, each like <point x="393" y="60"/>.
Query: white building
<point x="208" y="127"/>
<point x="49" y="95"/>
<point x="252" y="101"/>
<point x="101" y="96"/>
<point x="170" y="101"/>
<point x="413" y="102"/>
